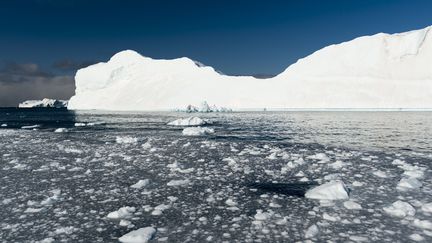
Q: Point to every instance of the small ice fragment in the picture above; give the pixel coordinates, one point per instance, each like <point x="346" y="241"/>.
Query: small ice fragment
<point x="352" y="205"/>
<point x="126" y="139"/>
<point x="333" y="190"/>
<point x="141" y="184"/>
<point x="427" y="207"/>
<point x="312" y="231"/>
<point x="197" y="131"/>
<point x="230" y="202"/>
<point x="122" y="213"/>
<point x="423" y="224"/>
<point x="190" y="121"/>
<point x="416" y="237"/>
<point x="141" y="235"/>
<point x="30" y="127"/>
<point x="400" y="209"/>
<point x="61" y="129"/>
<point x="406" y="184"/>
<point x="178" y="182"/>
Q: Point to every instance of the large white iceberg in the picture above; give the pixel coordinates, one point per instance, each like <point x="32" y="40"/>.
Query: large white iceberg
<point x="382" y="71"/>
<point x="50" y="103"/>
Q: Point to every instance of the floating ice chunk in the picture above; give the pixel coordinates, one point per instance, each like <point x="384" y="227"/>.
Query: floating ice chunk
<point x="230" y="202"/>
<point x="178" y="182"/>
<point x="158" y="210"/>
<point x="380" y="174"/>
<point x="312" y="231"/>
<point x="122" y="213"/>
<point x="47" y="240"/>
<point x="126" y="139"/>
<point x="407" y="183"/>
<point x="65" y="230"/>
<point x="320" y="156"/>
<point x="331" y="218"/>
<point x="197" y="131"/>
<point x="358" y="238"/>
<point x="30" y="127"/>
<point x="141" y="184"/>
<point x="423" y="224"/>
<point x="3" y="125"/>
<point x="56" y="195"/>
<point x="352" y="205"/>
<point x="61" y="129"/>
<point x="337" y="165"/>
<point x="427" y="207"/>
<point x="80" y="124"/>
<point x="261" y="216"/>
<point x="33" y="210"/>
<point x="190" y="121"/>
<point x="141" y="235"/>
<point x="416" y="237"/>
<point x="400" y="209"/>
<point x="124" y="222"/>
<point x="333" y="190"/>
<point x="418" y="174"/>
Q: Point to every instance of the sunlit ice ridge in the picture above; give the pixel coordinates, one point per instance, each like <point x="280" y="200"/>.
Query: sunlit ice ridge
<point x="382" y="72"/>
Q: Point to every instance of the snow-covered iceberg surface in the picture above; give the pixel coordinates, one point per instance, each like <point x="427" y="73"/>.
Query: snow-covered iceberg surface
<point x="382" y="71"/>
<point x="50" y="103"/>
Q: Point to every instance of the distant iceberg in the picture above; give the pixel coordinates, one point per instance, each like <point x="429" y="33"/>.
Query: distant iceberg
<point x="49" y="103"/>
<point x="382" y="71"/>
<point x="204" y="107"/>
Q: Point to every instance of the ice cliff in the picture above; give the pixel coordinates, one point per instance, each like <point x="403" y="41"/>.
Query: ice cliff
<point x="49" y="103"/>
<point x="379" y="71"/>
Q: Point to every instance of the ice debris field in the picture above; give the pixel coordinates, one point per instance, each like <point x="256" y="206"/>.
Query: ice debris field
<point x="219" y="177"/>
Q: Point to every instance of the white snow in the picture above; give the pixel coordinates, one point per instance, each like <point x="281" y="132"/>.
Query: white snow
<point x="190" y="121"/>
<point x="380" y="71"/>
<point x="141" y="184"/>
<point x="141" y="235"/>
<point x="197" y="131"/>
<point x="400" y="209"/>
<point x="51" y="103"/>
<point x="122" y="213"/>
<point x="333" y="190"/>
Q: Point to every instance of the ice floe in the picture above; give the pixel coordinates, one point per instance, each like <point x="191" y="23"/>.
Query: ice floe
<point x="400" y="209"/>
<point x="190" y="121"/>
<point x="122" y="213"/>
<point x="141" y="235"/>
<point x="197" y="131"/>
<point x="333" y="190"/>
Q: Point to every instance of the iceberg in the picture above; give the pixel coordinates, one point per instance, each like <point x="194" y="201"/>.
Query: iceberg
<point x="49" y="103"/>
<point x="190" y="121"/>
<point x="197" y="131"/>
<point x="333" y="190"/>
<point x="382" y="71"/>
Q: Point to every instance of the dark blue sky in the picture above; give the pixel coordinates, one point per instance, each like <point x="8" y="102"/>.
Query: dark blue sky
<point x="236" y="37"/>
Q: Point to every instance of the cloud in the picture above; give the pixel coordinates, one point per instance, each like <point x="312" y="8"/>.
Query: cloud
<point x="19" y="82"/>
<point x="70" y="65"/>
